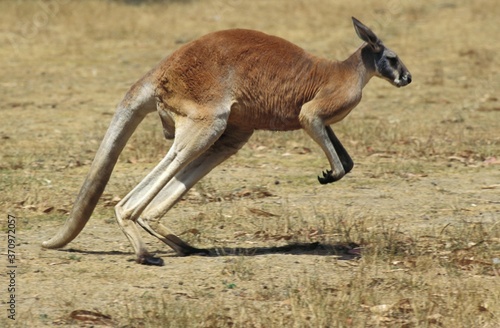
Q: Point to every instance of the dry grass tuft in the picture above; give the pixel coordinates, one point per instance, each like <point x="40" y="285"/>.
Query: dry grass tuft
<point x="410" y="238"/>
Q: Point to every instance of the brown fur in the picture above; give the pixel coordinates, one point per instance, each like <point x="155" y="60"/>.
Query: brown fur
<point x="211" y="94"/>
<point x="267" y="78"/>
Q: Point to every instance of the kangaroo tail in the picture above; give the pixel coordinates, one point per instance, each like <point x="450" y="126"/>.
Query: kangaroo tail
<point x="138" y="102"/>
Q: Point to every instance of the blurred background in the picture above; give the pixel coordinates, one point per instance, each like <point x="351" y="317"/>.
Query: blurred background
<point x="426" y="159"/>
<point x="81" y="56"/>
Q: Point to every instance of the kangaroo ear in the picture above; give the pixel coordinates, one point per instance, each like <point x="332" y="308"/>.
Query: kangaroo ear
<point x="367" y="35"/>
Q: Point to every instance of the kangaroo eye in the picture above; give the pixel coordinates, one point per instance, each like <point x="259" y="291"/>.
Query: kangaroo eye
<point x="393" y="60"/>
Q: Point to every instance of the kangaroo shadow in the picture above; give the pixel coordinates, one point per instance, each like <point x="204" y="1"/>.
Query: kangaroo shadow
<point x="343" y="251"/>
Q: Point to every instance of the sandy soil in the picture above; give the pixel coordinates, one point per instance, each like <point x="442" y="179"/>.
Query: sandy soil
<point x="426" y="162"/>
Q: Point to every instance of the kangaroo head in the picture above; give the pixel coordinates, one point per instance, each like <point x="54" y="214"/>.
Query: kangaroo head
<point x="386" y="63"/>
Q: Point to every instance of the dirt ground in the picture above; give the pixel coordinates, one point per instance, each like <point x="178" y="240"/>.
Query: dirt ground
<point x="410" y="238"/>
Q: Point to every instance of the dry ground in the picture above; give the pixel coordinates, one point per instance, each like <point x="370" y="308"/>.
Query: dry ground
<point x="422" y="201"/>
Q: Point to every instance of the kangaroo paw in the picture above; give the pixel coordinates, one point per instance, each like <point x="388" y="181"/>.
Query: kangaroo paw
<point x="328" y="177"/>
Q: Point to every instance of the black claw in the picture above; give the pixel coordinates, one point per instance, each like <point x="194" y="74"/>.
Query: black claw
<point x="328" y="177"/>
<point x="150" y="260"/>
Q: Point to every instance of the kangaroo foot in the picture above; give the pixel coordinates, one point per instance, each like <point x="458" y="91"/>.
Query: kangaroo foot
<point x="150" y="260"/>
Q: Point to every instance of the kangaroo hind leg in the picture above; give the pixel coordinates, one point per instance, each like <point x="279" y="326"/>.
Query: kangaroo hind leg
<point x="193" y="137"/>
<point x="227" y="145"/>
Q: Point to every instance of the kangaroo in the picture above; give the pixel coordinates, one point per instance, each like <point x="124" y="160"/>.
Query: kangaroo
<point x="211" y="95"/>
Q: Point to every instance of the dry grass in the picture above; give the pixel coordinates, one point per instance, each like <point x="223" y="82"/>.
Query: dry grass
<point x="422" y="201"/>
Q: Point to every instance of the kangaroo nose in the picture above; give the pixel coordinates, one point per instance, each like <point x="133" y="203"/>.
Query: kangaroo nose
<point x="408" y="78"/>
